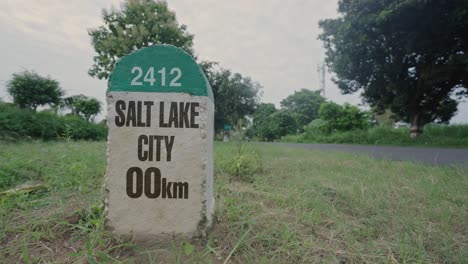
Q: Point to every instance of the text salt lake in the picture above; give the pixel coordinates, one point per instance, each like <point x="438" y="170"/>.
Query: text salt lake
<point x="139" y="114"/>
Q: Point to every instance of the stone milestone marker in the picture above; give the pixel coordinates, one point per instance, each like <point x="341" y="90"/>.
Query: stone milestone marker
<point x="159" y="179"/>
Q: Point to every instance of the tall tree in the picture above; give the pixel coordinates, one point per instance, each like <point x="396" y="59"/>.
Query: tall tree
<point x="285" y="123"/>
<point x="235" y="96"/>
<point x="138" y="24"/>
<point x="30" y="90"/>
<point x="305" y="103"/>
<point x="408" y="56"/>
<point x="84" y="106"/>
<point x="263" y="126"/>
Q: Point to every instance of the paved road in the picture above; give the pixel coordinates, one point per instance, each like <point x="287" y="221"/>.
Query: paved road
<point x="433" y="156"/>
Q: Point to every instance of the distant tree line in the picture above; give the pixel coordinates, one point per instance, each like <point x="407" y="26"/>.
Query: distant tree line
<point x="29" y="90"/>
<point x="22" y="120"/>
<point x="304" y="111"/>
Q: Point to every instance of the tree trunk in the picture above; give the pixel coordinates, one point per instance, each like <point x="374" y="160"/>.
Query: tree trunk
<point x="417" y="126"/>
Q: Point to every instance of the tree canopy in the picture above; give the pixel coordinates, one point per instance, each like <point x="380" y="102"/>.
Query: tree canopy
<point x="84" y="106"/>
<point x="30" y="90"/>
<point x="235" y="96"/>
<point x="305" y="103"/>
<point x="263" y="126"/>
<point x="408" y="56"/>
<point x="342" y="118"/>
<point x="138" y="24"/>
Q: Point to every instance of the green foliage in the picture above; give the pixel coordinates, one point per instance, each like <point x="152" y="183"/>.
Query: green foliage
<point x="384" y="118"/>
<point x="434" y="135"/>
<point x="284" y="122"/>
<point x="263" y="126"/>
<point x="306" y="206"/>
<point x="408" y="56"/>
<point x="70" y="212"/>
<point x="235" y="96"/>
<point x="305" y="103"/>
<point x="30" y="90"/>
<point x="243" y="163"/>
<point x="359" y="210"/>
<point x="342" y="118"/>
<point x="317" y="127"/>
<point x="298" y="110"/>
<point x="270" y="124"/>
<point x="18" y="124"/>
<point x="139" y="23"/>
<point x="86" y="107"/>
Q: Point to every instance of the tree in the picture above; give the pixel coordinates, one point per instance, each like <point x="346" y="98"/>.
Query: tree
<point x="270" y="124"/>
<point x="285" y="123"/>
<point x="305" y="103"/>
<point x="81" y="105"/>
<point x="30" y="90"/>
<point x="138" y="24"/>
<point x="408" y="56"/>
<point x="235" y="96"/>
<point x="263" y="126"/>
<point x="341" y="118"/>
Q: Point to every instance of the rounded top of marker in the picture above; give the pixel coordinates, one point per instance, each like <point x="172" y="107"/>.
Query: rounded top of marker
<point x="159" y="69"/>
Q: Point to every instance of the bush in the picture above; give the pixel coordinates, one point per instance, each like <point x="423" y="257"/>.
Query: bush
<point x="241" y="166"/>
<point x="342" y="118"/>
<point x="19" y="124"/>
<point x="434" y="135"/>
<point x="317" y="127"/>
<point x="240" y="161"/>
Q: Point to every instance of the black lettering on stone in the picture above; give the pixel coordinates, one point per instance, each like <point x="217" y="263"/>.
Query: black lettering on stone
<point x="140" y="114"/>
<point x="119" y="107"/>
<point x="166" y="189"/>
<point x="193" y="114"/>
<point x="131" y="183"/>
<point x="161" y="115"/>
<point x="153" y="185"/>
<point x="169" y="144"/>
<point x="158" y="146"/>
<point x="180" y="188"/>
<point x="173" y="115"/>
<point x="131" y="115"/>
<point x="148" y="105"/>
<point x="184" y="109"/>
<point x="153" y="191"/>
<point x="142" y="155"/>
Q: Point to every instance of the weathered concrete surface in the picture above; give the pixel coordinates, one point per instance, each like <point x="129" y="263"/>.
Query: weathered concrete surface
<point x="160" y="220"/>
<point x="432" y="156"/>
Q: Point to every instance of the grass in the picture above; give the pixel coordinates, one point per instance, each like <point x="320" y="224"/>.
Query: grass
<point x="303" y="207"/>
<point x="433" y="136"/>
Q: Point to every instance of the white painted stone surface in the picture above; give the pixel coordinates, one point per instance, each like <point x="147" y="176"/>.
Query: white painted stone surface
<point x="159" y="220"/>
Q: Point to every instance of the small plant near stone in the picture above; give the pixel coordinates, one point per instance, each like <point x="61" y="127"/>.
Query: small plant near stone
<point x="242" y="162"/>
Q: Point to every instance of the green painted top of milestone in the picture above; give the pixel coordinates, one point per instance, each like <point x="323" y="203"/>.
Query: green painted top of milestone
<point x="159" y="69"/>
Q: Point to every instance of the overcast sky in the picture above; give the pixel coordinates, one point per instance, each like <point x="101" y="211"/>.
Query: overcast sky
<point x="274" y="42"/>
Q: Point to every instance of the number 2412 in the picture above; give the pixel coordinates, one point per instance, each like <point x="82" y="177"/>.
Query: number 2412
<point x="149" y="76"/>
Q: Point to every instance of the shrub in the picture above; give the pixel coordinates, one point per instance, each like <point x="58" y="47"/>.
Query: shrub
<point x="342" y="118"/>
<point x="317" y="127"/>
<point x="434" y="135"/>
<point x="19" y="124"/>
<point x="241" y="166"/>
<point x="240" y="161"/>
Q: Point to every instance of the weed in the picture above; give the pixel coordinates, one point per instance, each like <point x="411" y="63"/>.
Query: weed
<point x="245" y="163"/>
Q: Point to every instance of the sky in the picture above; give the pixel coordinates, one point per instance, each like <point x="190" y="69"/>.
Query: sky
<point x="274" y="42"/>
